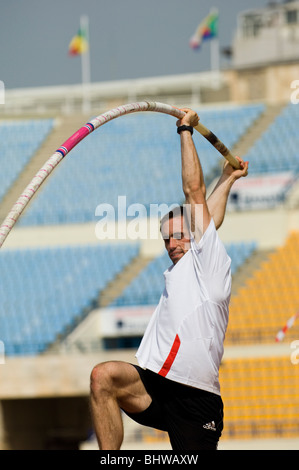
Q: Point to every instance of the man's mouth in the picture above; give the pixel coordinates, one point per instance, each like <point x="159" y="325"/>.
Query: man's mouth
<point x="175" y="254"/>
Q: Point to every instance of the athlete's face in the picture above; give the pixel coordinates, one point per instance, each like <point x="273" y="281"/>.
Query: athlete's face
<point x="176" y="239"/>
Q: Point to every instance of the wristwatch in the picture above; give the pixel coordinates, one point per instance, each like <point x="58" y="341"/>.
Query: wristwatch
<point x="185" y="128"/>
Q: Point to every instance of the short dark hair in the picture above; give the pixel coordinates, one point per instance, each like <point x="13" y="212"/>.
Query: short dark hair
<point x="177" y="211"/>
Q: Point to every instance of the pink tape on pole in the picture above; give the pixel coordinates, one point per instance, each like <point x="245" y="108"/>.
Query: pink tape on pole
<point x="70" y="143"/>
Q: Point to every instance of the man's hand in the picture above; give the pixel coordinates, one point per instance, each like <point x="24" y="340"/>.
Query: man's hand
<point x="228" y="170"/>
<point x="190" y="119"/>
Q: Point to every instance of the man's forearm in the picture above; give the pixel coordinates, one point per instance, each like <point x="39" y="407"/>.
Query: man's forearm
<point x="192" y="175"/>
<point x="217" y="201"/>
<point x="194" y="187"/>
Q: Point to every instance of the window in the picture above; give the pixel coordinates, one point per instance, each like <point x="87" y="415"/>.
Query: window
<point x="292" y="16"/>
<point x="252" y="25"/>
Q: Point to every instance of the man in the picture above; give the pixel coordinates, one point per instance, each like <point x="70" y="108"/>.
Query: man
<point x="176" y="388"/>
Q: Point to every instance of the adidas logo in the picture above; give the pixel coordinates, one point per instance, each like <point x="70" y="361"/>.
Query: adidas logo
<point x="211" y="426"/>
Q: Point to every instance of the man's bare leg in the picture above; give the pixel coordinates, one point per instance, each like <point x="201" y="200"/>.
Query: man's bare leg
<point x="115" y="385"/>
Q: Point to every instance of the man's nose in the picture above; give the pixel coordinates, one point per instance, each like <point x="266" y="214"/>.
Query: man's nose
<point x="173" y="242"/>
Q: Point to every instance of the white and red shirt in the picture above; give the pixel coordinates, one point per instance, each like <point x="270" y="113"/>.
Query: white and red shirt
<point x="184" y="338"/>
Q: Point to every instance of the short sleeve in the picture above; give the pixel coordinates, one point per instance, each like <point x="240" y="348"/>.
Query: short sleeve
<point x="209" y="253"/>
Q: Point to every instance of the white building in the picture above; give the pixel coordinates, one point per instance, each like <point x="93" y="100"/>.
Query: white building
<point x="267" y="35"/>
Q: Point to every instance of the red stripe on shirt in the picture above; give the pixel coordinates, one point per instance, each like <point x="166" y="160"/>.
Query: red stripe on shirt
<point x="171" y="357"/>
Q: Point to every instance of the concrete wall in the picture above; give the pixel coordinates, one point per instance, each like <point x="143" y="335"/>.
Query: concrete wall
<point x="269" y="228"/>
<point x="268" y="83"/>
<point x="51" y="375"/>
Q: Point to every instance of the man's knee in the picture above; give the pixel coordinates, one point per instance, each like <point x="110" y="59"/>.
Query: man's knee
<point x="103" y="377"/>
<point x="121" y="382"/>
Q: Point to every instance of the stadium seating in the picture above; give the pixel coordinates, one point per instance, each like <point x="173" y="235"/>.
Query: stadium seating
<point x="146" y="289"/>
<point x="270" y="297"/>
<point x="44" y="291"/>
<point x="137" y="156"/>
<point x="261" y="398"/>
<point x="19" y="140"/>
<point x="277" y="149"/>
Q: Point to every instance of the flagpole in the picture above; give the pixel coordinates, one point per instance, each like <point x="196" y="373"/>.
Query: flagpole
<point x="214" y="47"/>
<point x="85" y="67"/>
<point x="215" y="55"/>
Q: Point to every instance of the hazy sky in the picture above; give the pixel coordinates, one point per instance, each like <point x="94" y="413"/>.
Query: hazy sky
<point x="128" y="38"/>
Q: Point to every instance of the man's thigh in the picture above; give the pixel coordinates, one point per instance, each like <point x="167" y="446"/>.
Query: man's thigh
<point x="127" y="386"/>
<point x="152" y="416"/>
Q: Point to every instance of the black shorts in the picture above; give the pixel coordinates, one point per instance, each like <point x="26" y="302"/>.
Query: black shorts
<point x="192" y="417"/>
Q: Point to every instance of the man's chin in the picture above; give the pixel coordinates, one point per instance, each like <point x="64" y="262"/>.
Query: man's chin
<point x="176" y="258"/>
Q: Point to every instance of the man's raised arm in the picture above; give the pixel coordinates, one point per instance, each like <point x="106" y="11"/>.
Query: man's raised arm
<point x="192" y="177"/>
<point x="218" y="199"/>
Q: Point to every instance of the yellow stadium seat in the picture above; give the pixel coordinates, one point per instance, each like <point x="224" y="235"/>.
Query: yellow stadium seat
<point x="261" y="397"/>
<point x="268" y="299"/>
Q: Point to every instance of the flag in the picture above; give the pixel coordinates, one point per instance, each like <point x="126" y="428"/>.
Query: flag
<point x="79" y="43"/>
<point x="281" y="334"/>
<point x="207" y="29"/>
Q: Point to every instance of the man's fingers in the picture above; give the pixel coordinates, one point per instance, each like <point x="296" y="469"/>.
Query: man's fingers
<point x="191" y="117"/>
<point x="245" y="168"/>
<point x="243" y="165"/>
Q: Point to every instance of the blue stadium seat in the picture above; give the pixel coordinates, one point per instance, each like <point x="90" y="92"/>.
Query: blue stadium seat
<point x="277" y="149"/>
<point x="45" y="291"/>
<point x="19" y="140"/>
